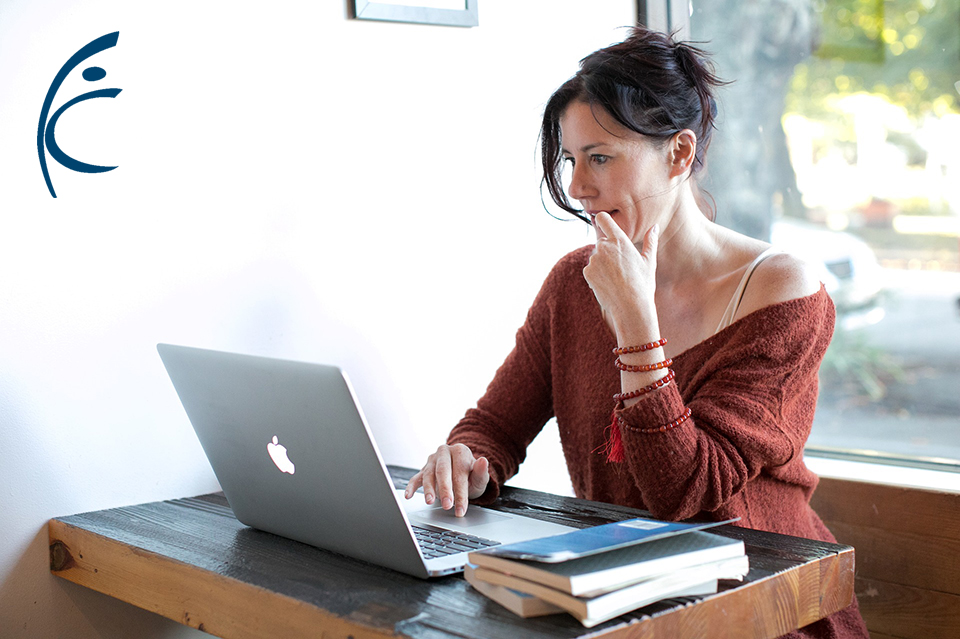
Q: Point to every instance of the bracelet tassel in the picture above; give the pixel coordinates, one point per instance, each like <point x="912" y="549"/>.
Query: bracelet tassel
<point x="613" y="448"/>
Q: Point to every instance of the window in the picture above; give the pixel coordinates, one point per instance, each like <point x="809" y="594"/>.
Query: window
<point x="839" y="138"/>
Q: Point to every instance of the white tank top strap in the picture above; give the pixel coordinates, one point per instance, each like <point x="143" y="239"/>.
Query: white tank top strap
<point x="734" y="304"/>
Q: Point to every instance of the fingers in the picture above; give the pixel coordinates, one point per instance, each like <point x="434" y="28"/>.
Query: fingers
<point x="461" y="489"/>
<point x="479" y="477"/>
<point x="452" y="476"/>
<point x="429" y="481"/>
<point x="444" y="477"/>
<point x="607" y="229"/>
<point x="651" y="240"/>
<point x="598" y="228"/>
<point x="415" y="482"/>
<point x="426" y="478"/>
<point x="463" y="462"/>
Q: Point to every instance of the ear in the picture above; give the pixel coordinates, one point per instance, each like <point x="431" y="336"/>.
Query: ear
<point x="683" y="150"/>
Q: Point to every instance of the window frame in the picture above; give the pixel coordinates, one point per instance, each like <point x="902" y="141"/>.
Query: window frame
<point x="673" y="16"/>
<point x="668" y="16"/>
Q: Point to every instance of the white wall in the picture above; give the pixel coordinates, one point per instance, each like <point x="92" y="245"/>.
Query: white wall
<point x="292" y="183"/>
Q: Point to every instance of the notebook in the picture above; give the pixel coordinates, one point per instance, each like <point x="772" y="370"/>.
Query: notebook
<point x="294" y="456"/>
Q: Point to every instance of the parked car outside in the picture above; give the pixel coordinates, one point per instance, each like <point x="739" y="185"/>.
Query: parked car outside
<point x="847" y="266"/>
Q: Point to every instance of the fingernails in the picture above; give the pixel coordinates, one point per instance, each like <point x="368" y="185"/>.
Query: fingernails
<point x="460" y="511"/>
<point x="447" y="503"/>
<point x="428" y="498"/>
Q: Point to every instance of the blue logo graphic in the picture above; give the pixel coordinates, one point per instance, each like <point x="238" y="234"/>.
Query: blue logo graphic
<point x="46" y="136"/>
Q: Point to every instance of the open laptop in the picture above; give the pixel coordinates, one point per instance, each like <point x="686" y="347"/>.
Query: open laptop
<point x="294" y="456"/>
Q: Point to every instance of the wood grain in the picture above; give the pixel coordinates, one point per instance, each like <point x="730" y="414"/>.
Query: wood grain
<point x="192" y="561"/>
<point x="906" y="510"/>
<point x="903" y="611"/>
<point x="923" y="561"/>
<point x="907" y="542"/>
<point x="190" y="595"/>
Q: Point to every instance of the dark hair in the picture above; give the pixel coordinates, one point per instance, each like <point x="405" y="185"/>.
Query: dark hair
<point x="649" y="83"/>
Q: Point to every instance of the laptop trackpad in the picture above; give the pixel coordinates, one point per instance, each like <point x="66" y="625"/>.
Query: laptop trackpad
<point x="446" y="519"/>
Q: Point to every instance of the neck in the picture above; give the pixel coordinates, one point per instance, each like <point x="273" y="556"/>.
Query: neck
<point x="688" y="241"/>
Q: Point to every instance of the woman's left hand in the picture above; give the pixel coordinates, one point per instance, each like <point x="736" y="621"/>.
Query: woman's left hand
<point x="622" y="277"/>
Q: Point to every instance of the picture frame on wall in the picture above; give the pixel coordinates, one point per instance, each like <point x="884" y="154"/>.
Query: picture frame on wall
<point x="453" y="13"/>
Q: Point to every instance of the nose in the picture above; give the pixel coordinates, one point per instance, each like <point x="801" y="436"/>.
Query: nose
<point x="578" y="188"/>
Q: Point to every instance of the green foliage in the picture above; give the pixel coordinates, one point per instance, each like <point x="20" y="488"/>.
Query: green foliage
<point x="865" y="369"/>
<point x="905" y="50"/>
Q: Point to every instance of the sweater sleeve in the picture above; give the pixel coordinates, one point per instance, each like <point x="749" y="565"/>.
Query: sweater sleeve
<point x="517" y="403"/>
<point x="751" y="401"/>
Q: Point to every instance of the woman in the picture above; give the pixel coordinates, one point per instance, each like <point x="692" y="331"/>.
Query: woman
<point x="705" y="343"/>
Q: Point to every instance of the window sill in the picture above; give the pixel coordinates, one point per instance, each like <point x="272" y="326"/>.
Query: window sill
<point x="884" y="474"/>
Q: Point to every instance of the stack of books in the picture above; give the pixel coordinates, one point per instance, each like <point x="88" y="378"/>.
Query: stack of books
<point x="599" y="573"/>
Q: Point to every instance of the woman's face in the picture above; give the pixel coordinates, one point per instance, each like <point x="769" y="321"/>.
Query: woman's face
<point x="615" y="170"/>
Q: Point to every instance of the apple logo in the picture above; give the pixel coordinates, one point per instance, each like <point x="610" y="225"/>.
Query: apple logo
<point x="278" y="454"/>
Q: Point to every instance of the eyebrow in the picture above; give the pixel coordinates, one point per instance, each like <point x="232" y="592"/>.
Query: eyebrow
<point x="588" y="147"/>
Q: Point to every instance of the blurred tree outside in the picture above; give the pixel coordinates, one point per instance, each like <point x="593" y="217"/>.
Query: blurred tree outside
<point x="756" y="45"/>
<point x="846" y="114"/>
<point x="855" y="77"/>
<point x="907" y="51"/>
<point x="877" y="110"/>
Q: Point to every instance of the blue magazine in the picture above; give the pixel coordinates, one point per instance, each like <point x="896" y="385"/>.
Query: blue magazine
<point x="597" y="539"/>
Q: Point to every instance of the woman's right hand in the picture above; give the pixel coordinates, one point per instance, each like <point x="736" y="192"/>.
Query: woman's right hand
<point x="452" y="475"/>
<point x="623" y="277"/>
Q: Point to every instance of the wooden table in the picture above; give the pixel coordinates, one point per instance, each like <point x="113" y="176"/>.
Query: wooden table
<point x="192" y="561"/>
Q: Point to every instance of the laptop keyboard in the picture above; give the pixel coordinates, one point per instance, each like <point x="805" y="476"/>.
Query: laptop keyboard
<point x="437" y="542"/>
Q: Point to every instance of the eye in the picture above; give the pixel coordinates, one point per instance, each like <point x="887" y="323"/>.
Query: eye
<point x="599" y="159"/>
<point x="568" y="160"/>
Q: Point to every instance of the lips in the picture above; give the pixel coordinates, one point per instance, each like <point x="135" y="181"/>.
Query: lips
<point x="593" y="213"/>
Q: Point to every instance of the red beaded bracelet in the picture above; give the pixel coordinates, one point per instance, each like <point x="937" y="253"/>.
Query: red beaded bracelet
<point x="666" y="427"/>
<point x="626" y="350"/>
<point x="663" y="381"/>
<point x="645" y="368"/>
<point x="612" y="448"/>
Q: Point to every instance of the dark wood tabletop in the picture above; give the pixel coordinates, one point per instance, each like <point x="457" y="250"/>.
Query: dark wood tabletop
<point x="192" y="561"/>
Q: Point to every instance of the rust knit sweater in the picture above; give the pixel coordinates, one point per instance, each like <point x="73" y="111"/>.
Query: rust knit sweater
<point x="752" y="390"/>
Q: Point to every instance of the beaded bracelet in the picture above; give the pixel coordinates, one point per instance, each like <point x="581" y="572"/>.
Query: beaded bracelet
<point x="663" y="381"/>
<point x="645" y="368"/>
<point x="613" y="449"/>
<point x="666" y="427"/>
<point x="626" y="350"/>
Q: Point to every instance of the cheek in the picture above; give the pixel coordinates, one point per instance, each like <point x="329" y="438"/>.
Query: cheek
<point x="632" y="223"/>
<point x="626" y="224"/>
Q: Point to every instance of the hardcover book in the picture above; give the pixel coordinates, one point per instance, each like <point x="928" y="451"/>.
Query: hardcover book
<point x="597" y="539"/>
<point x="598" y="573"/>
<point x="590" y="611"/>
<point x="519" y="603"/>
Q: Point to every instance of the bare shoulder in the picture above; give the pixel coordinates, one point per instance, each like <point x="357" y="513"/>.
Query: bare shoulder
<point x="779" y="278"/>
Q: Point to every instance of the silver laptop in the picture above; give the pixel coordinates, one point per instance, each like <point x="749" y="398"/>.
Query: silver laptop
<point x="294" y="456"/>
